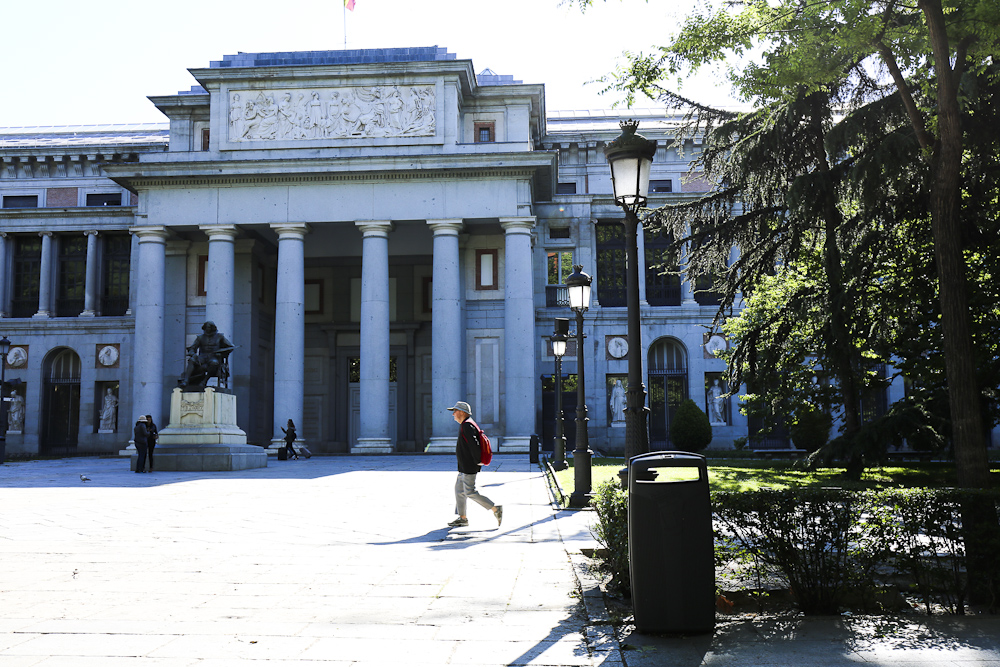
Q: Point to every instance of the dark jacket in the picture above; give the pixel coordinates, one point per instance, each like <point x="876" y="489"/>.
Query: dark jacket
<point x="140" y="434"/>
<point x="151" y="434"/>
<point x="467" y="448"/>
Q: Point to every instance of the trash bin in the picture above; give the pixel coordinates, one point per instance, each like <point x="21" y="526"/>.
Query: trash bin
<point x="670" y="543"/>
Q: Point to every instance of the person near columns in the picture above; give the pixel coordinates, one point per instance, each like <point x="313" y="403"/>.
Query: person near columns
<point x="469" y="455"/>
<point x="141" y="437"/>
<point x="151" y="435"/>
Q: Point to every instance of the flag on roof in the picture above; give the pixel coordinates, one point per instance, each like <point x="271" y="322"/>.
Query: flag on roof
<point x="349" y="4"/>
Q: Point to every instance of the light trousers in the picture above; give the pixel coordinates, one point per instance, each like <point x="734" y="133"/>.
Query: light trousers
<point x="465" y="490"/>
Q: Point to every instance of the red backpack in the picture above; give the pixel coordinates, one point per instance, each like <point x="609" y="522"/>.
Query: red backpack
<point x="485" y="451"/>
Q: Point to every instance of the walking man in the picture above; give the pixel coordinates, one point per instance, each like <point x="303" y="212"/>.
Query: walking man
<point x="469" y="455"/>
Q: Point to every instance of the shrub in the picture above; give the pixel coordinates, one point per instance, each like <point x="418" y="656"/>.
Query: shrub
<point x="690" y="429"/>
<point x="611" y="531"/>
<point x="811" y="429"/>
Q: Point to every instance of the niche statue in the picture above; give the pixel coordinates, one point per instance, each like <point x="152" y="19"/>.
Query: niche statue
<point x="207" y="357"/>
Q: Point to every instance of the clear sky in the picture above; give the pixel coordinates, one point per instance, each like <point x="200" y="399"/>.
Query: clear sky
<point x="69" y="62"/>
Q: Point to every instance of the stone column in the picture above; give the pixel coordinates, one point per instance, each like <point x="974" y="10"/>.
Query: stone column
<point x="446" y="334"/>
<point x="220" y="277"/>
<point x="45" y="278"/>
<point x="147" y="366"/>
<point x="289" y="331"/>
<point x="90" y="285"/>
<point x="4" y="304"/>
<point x="520" y="378"/>
<point x="374" y="436"/>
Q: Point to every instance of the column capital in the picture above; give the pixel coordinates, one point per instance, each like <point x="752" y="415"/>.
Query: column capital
<point x="44" y="234"/>
<point x="447" y="227"/>
<point x="375" y="227"/>
<point x="150" y="233"/>
<point x="518" y="225"/>
<point x="221" y="232"/>
<point x="91" y="232"/>
<point x="290" y="230"/>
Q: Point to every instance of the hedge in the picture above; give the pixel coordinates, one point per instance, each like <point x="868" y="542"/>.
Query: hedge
<point x="832" y="546"/>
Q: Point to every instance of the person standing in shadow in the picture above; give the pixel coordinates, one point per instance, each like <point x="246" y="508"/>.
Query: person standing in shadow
<point x="289" y="439"/>
<point x="151" y="436"/>
<point x="141" y="437"/>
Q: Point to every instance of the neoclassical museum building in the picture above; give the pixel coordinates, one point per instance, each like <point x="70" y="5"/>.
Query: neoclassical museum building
<point x="380" y="232"/>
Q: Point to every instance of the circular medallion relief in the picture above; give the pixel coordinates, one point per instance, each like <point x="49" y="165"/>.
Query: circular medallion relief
<point x="716" y="343"/>
<point x="618" y="347"/>
<point x="108" y="355"/>
<point x="17" y="357"/>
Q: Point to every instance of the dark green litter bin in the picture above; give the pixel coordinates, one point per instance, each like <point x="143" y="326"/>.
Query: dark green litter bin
<point x="670" y="543"/>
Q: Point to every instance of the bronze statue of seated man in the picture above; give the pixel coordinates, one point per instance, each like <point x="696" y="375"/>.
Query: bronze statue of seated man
<point x="206" y="358"/>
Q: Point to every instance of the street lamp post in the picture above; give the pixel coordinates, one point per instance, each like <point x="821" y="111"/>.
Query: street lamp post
<point x="558" y="350"/>
<point x="578" y="286"/>
<point x="631" y="157"/>
<point x="4" y="349"/>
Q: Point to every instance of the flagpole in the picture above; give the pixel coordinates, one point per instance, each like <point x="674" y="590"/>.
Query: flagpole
<point x="345" y="25"/>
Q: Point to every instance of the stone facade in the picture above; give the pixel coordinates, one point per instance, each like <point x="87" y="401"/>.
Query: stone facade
<point x="381" y="233"/>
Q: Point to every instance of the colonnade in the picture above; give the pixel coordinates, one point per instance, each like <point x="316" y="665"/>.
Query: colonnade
<point x="447" y="327"/>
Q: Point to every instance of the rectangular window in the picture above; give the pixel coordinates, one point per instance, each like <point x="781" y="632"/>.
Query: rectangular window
<point x="486" y="270"/>
<point x="566" y="188"/>
<point x="202" y="274"/>
<point x="72" y="275"/>
<point x="428" y="294"/>
<point x="610" y="263"/>
<point x="20" y="201"/>
<point x="663" y="282"/>
<point x="314" y="296"/>
<point x="117" y="258"/>
<point x="560" y="265"/>
<point x="27" y="271"/>
<point x="558" y="232"/>
<point x="484" y="132"/>
<point x="104" y="199"/>
<point x="205" y="136"/>
<point x="660" y="186"/>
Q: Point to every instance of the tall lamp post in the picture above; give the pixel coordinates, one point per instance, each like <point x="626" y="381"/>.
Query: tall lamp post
<point x="631" y="157"/>
<point x="558" y="350"/>
<point x="4" y="349"/>
<point x="578" y="286"/>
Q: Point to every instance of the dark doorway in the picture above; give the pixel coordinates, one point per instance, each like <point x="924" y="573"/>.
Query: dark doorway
<point x="60" y="425"/>
<point x="668" y="387"/>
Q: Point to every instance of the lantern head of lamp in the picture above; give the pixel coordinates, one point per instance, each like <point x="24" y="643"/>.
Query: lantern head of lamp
<point x="560" y="337"/>
<point x="578" y="286"/>
<point x="630" y="156"/>
<point x="4" y="347"/>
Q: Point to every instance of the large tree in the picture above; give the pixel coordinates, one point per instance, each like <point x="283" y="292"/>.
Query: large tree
<point x="920" y="53"/>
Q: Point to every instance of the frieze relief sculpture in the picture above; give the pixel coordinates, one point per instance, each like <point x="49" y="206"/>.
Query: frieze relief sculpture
<point x="332" y="113"/>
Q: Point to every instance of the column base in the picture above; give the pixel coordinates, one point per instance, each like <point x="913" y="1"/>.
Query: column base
<point x="441" y="445"/>
<point x="88" y="313"/>
<point x="373" y="446"/>
<point x="514" y="444"/>
<point x="41" y="315"/>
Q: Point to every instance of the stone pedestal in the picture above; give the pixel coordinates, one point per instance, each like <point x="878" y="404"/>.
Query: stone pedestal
<point x="203" y="436"/>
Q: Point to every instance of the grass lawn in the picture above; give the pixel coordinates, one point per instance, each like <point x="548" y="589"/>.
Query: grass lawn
<point x="744" y="474"/>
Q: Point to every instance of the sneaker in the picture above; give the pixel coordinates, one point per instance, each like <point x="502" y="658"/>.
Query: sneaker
<point x="498" y="513"/>
<point x="458" y="522"/>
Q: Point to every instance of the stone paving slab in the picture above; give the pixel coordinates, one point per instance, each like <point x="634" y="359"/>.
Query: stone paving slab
<point x="346" y="562"/>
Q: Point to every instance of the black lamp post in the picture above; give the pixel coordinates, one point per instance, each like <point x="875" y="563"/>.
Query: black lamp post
<point x="578" y="286"/>
<point x="4" y="349"/>
<point x="558" y="350"/>
<point x="631" y="157"/>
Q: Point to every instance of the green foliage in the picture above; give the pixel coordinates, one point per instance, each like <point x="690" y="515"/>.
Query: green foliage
<point x="610" y="503"/>
<point x="690" y="428"/>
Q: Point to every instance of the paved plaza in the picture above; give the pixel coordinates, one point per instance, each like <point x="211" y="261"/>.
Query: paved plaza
<point x="347" y="561"/>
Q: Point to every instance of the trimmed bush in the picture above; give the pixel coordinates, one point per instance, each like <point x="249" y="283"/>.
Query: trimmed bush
<point x="690" y="429"/>
<point x="611" y="531"/>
